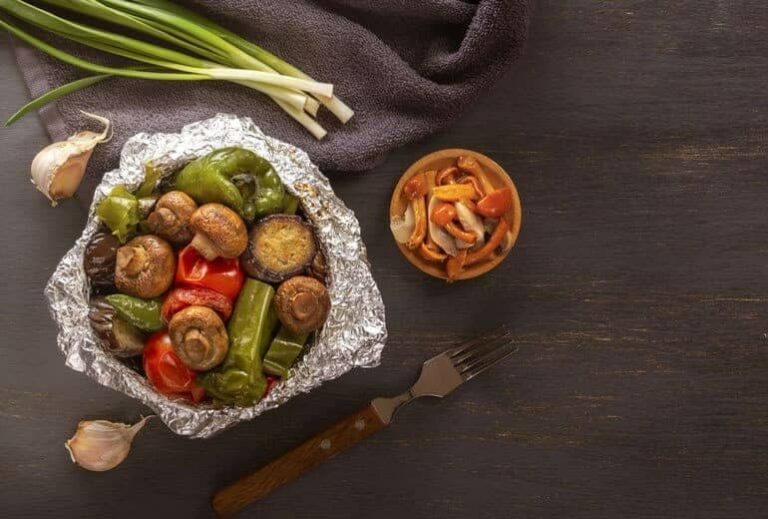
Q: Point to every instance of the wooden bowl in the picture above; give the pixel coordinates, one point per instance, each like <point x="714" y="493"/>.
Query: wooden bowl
<point x="443" y="159"/>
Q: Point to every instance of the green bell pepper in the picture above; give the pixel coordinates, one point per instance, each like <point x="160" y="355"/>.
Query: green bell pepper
<point x="235" y="177"/>
<point x="152" y="176"/>
<point x="144" y="314"/>
<point x="291" y="204"/>
<point x="283" y="352"/>
<point x="120" y="212"/>
<point x="239" y="379"/>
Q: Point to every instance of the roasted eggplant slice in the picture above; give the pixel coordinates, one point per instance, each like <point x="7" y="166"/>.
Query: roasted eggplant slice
<point x="116" y="335"/>
<point x="279" y="246"/>
<point x="100" y="258"/>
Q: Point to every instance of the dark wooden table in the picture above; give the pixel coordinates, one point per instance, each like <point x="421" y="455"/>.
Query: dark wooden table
<point x="636" y="132"/>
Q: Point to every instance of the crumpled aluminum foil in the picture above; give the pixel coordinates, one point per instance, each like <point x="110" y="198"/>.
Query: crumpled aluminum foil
<point x="353" y="336"/>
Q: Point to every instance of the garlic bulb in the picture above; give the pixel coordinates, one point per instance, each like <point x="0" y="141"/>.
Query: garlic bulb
<point x="100" y="445"/>
<point x="58" y="169"/>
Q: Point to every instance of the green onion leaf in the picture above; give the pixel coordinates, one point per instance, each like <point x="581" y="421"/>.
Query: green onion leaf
<point x="53" y="95"/>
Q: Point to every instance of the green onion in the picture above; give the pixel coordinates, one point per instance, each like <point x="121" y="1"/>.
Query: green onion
<point x="334" y="104"/>
<point x="93" y="67"/>
<point x="54" y="95"/>
<point x="201" y="50"/>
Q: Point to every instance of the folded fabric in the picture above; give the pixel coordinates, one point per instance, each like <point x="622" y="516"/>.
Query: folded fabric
<point x="406" y="67"/>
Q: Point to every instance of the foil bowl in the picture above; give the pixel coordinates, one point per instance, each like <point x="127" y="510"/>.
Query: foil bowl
<point x="353" y="336"/>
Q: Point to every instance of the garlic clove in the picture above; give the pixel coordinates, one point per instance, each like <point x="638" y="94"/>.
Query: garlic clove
<point x="58" y="169"/>
<point x="100" y="445"/>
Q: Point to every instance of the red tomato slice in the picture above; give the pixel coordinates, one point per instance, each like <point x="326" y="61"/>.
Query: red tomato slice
<point x="165" y="370"/>
<point x="224" y="275"/>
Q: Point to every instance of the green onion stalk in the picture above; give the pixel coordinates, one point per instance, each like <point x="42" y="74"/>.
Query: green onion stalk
<point x="198" y="50"/>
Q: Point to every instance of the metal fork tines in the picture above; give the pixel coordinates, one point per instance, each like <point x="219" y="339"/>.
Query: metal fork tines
<point x="443" y="373"/>
<point x="475" y="356"/>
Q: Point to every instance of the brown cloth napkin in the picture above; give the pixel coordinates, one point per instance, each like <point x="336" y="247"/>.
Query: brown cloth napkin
<point x="406" y="67"/>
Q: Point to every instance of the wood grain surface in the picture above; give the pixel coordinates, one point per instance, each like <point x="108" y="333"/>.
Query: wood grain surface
<point x="348" y="432"/>
<point x="636" y="132"/>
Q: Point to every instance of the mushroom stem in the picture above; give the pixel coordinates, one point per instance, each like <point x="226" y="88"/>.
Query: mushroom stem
<point x="132" y="259"/>
<point x="196" y="344"/>
<point x="205" y="247"/>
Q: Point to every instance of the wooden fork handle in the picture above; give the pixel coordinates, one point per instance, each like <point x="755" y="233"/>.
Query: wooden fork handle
<point x="236" y="496"/>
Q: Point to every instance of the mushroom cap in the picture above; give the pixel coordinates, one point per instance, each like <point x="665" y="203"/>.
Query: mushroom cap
<point x="199" y="337"/>
<point x="145" y="266"/>
<point x="302" y="304"/>
<point x="219" y="231"/>
<point x="171" y="215"/>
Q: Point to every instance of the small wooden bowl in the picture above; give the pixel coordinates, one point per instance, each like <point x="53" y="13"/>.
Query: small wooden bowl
<point x="443" y="159"/>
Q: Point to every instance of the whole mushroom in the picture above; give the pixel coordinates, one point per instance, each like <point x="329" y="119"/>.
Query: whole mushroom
<point x="199" y="337"/>
<point x="145" y="267"/>
<point x="302" y="304"/>
<point x="170" y="217"/>
<point x="219" y="232"/>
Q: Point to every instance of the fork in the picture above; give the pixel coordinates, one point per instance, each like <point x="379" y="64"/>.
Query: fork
<point x="439" y="376"/>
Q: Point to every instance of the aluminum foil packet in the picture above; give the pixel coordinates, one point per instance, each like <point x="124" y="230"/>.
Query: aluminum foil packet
<point x="353" y="336"/>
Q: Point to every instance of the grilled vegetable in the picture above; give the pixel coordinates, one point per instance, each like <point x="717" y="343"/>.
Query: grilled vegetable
<point x="141" y="313"/>
<point x="100" y="258"/>
<point x="222" y="275"/>
<point x="145" y="267"/>
<point x="282" y="353"/>
<point x="235" y="177"/>
<point x="166" y="372"/>
<point x="115" y="334"/>
<point x="280" y="246"/>
<point x="182" y="297"/>
<point x="120" y="212"/>
<point x="199" y="337"/>
<point x="239" y="379"/>
<point x="170" y="217"/>
<point x="302" y="304"/>
<point x="219" y="232"/>
<point x="319" y="267"/>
